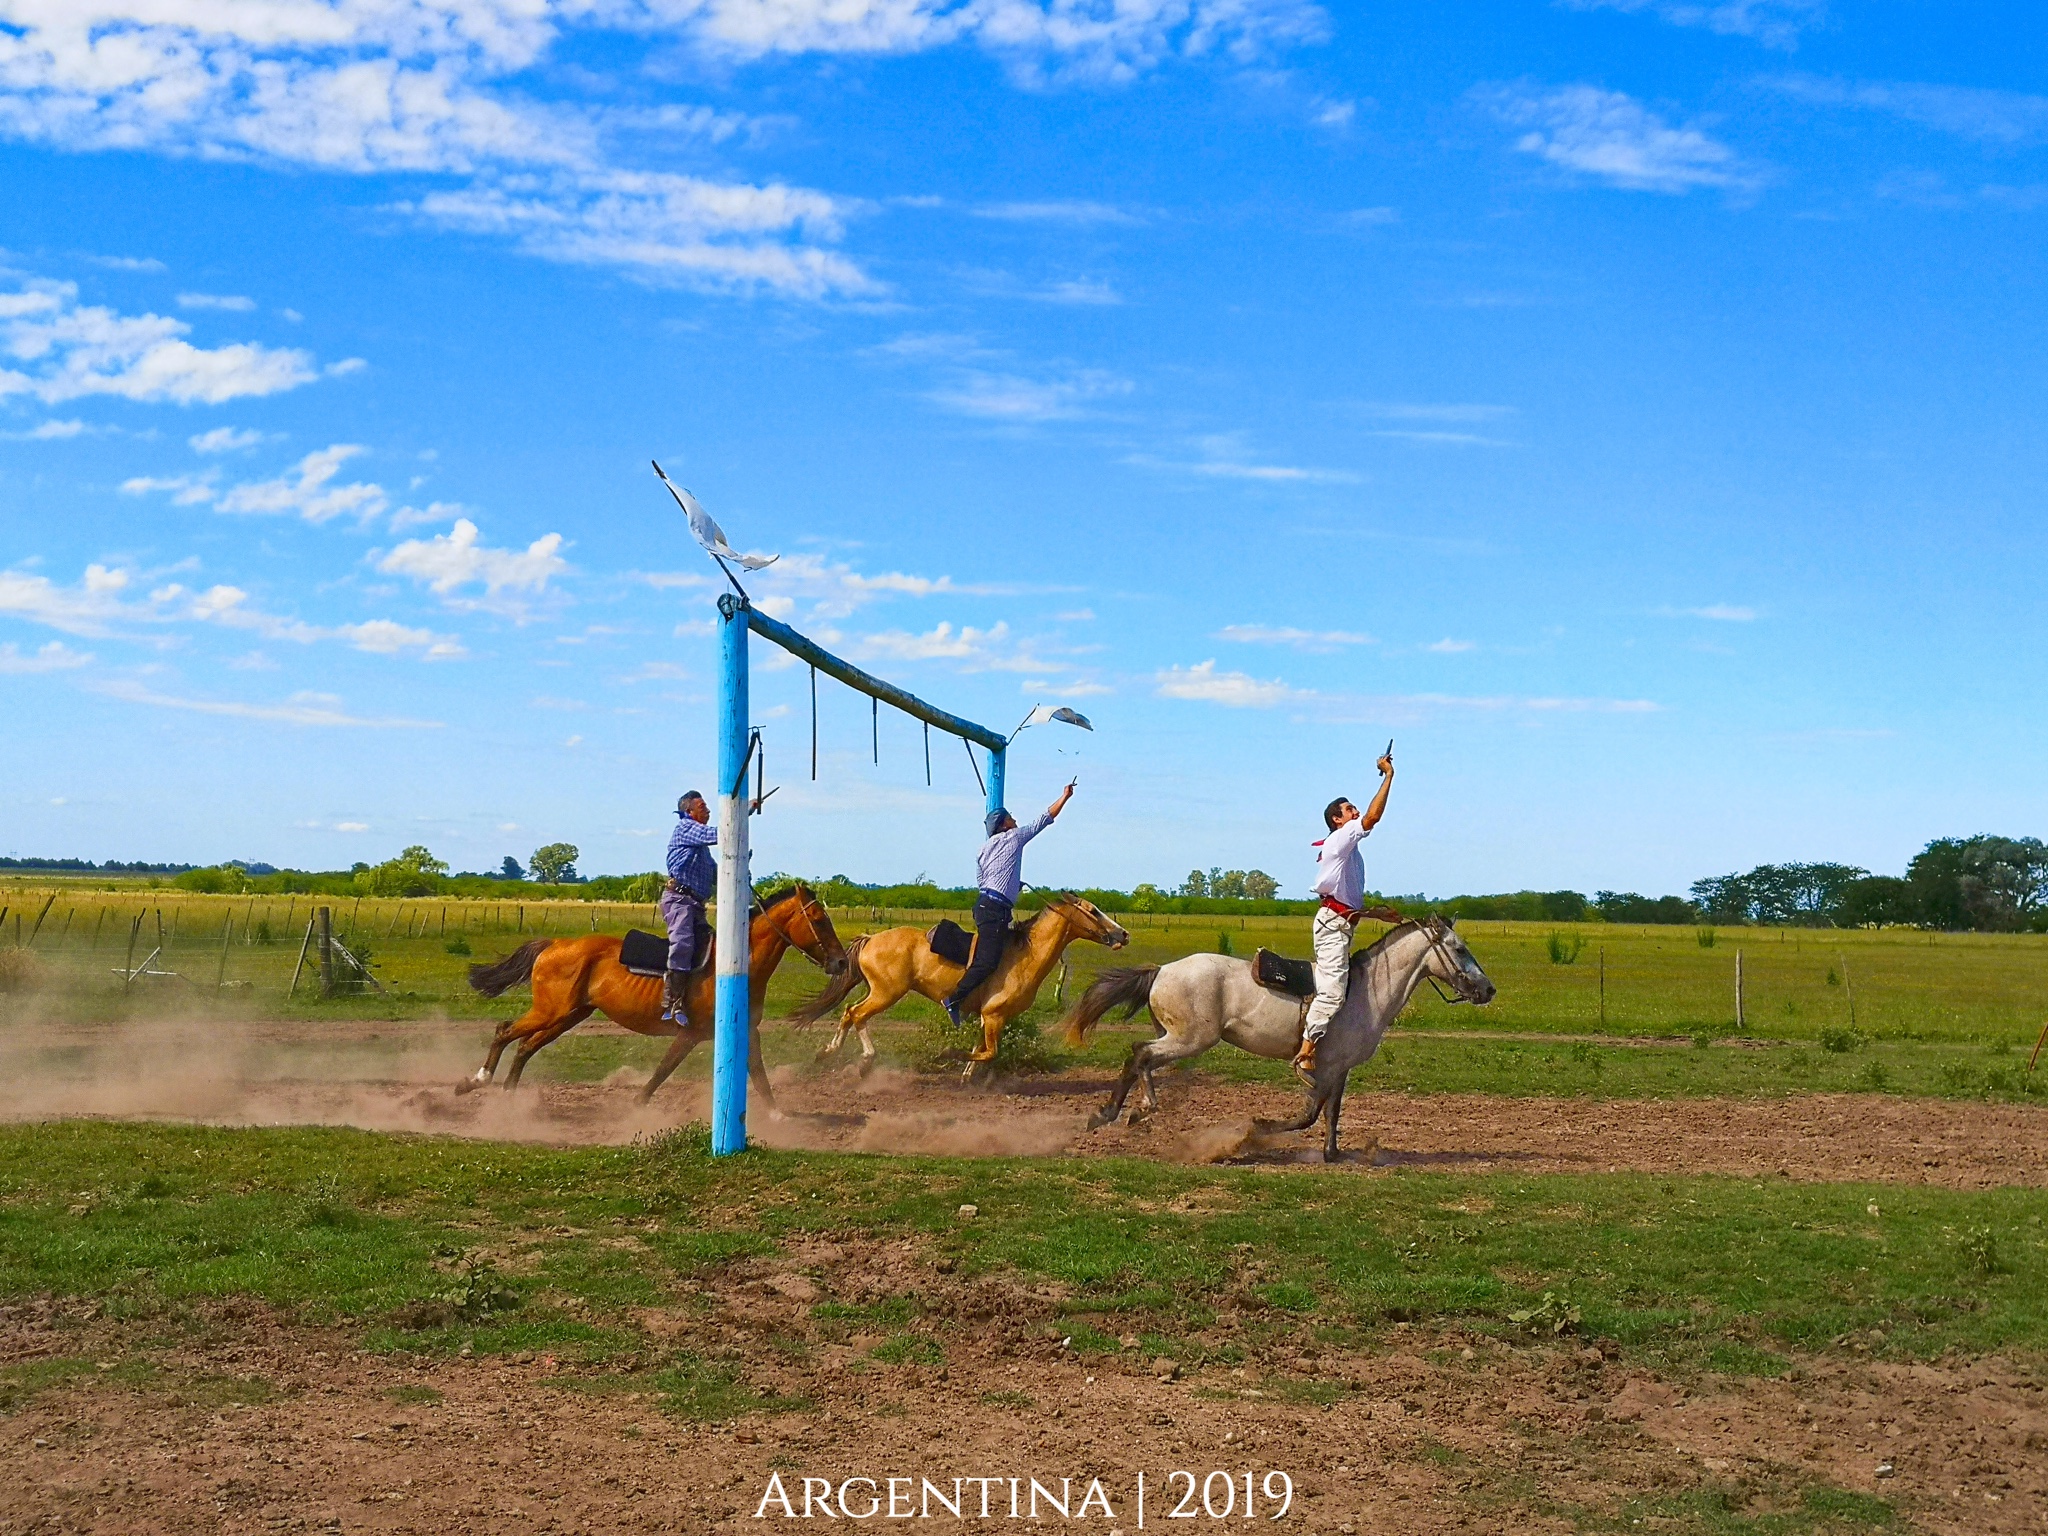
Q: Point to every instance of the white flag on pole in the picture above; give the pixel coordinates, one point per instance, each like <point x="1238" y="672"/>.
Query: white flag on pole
<point x="708" y="533"/>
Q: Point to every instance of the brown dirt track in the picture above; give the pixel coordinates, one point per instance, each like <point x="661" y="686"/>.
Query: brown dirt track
<point x="251" y="1423"/>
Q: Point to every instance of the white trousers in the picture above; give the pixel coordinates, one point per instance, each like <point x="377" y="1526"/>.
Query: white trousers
<point x="1332" y="937"/>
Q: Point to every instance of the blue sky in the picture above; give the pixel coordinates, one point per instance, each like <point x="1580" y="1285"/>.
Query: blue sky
<point x="1634" y="408"/>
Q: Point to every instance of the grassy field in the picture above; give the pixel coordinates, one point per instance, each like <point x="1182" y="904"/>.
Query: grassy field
<point x="1947" y="1014"/>
<point x="524" y="1244"/>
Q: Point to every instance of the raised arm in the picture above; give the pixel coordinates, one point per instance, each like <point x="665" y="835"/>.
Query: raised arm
<point x="1052" y="811"/>
<point x="1378" y="808"/>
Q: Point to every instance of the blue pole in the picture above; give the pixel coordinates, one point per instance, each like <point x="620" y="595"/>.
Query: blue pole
<point x="735" y="888"/>
<point x="996" y="755"/>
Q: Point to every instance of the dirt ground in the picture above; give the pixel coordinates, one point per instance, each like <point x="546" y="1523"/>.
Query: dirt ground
<point x="236" y="1419"/>
<point x="409" y="1077"/>
<point x="252" y="1425"/>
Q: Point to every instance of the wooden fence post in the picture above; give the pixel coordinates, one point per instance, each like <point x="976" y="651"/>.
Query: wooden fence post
<point x="1738" y="991"/>
<point x="128" y="965"/>
<point x="325" y="919"/>
<point x="1849" y="987"/>
<point x="227" y="932"/>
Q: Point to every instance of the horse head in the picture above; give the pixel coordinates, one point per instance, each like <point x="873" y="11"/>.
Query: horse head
<point x="1091" y="922"/>
<point x="802" y="919"/>
<point x="1451" y="963"/>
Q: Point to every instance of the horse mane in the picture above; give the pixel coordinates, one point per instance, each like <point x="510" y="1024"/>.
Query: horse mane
<point x="1389" y="936"/>
<point x="768" y="898"/>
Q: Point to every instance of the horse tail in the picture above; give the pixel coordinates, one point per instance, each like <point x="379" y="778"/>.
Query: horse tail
<point x="495" y="977"/>
<point x="836" y="989"/>
<point x="1128" y="988"/>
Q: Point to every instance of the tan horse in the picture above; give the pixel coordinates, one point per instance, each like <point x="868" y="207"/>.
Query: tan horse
<point x="574" y="978"/>
<point x="899" y="961"/>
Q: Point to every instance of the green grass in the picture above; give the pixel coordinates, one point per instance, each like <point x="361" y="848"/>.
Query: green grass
<point x="1677" y="1268"/>
<point x="1978" y="989"/>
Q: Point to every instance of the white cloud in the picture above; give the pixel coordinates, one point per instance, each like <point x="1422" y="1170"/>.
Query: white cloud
<point x="376" y="86"/>
<point x="2007" y="119"/>
<point x="224" y="440"/>
<point x="1037" y="39"/>
<point x="1774" y="23"/>
<point x="1081" y="291"/>
<point x="1237" y="690"/>
<point x="384" y="637"/>
<point x="306" y="490"/>
<point x="427" y="516"/>
<point x="1300" y="639"/>
<point x="1450" y="647"/>
<point x="54" y="657"/>
<point x="458" y="558"/>
<point x="55" y="348"/>
<point x="1726" y="613"/>
<point x="976" y="650"/>
<point x="1614" y="138"/>
<point x="351" y="826"/>
<point x="233" y="302"/>
<point x="90" y="609"/>
<point x="1015" y="397"/>
<point x="1058" y="213"/>
<point x="300" y="709"/>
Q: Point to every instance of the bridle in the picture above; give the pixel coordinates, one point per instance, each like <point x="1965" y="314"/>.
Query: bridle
<point x="812" y="909"/>
<point x="1438" y="931"/>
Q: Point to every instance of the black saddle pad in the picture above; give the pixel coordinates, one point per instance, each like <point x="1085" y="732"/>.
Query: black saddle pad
<point x="1297" y="978"/>
<point x="644" y="954"/>
<point x="950" y="942"/>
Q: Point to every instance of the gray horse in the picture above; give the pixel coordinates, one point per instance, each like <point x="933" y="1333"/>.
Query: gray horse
<point x="1205" y="998"/>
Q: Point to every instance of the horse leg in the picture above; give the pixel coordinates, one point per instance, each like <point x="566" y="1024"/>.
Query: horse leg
<point x="856" y="1018"/>
<point x="540" y="1037"/>
<point x="1336" y="1108"/>
<point x="512" y="1029"/>
<point x="684" y="1042"/>
<point x="1316" y="1099"/>
<point x="1107" y="1115"/>
<point x="757" y="1071"/>
<point x="867" y="1051"/>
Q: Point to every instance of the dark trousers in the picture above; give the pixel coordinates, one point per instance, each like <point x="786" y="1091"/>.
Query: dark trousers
<point x="991" y="934"/>
<point x="689" y="936"/>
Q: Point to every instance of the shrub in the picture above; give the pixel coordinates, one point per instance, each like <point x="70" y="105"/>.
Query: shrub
<point x="1224" y="946"/>
<point x="457" y="946"/>
<point x="1840" y="1041"/>
<point x="1566" y="950"/>
<point x="1705" y="936"/>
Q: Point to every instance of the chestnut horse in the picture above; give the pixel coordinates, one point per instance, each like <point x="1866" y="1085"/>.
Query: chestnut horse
<point x="898" y="961"/>
<point x="574" y="978"/>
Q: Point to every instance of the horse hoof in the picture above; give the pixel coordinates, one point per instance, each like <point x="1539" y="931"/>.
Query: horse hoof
<point x="867" y="1065"/>
<point x="1103" y="1116"/>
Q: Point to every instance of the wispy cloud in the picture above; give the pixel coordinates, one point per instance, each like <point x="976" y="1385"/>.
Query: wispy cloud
<point x="1613" y="138"/>
<point x="1228" y="456"/>
<point x="2003" y="119"/>
<point x="233" y="302"/>
<point x="1203" y="683"/>
<point x="1450" y="647"/>
<point x="1774" y="23"/>
<point x="1234" y="690"/>
<point x="54" y="657"/>
<point x="1299" y="639"/>
<point x="1080" y="290"/>
<point x="973" y="650"/>
<point x="54" y="348"/>
<point x="1058" y="212"/>
<point x="1019" y="397"/>
<point x="1726" y="613"/>
<point x="225" y="440"/>
<point x="449" y="562"/>
<point x="312" y="709"/>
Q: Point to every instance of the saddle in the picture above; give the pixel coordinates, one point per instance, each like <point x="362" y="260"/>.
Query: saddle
<point x="1296" y="978"/>
<point x="646" y="954"/>
<point x="955" y="945"/>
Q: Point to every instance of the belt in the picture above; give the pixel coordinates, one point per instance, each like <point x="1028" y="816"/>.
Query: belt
<point x="1349" y="914"/>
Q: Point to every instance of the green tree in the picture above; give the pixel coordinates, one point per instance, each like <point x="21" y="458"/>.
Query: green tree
<point x="415" y="872"/>
<point x="1260" y="886"/>
<point x="553" y="863"/>
<point x="1196" y="884"/>
<point x="510" y="870"/>
<point x="1147" y="898"/>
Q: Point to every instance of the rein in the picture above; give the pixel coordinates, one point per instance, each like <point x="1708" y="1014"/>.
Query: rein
<point x="804" y="901"/>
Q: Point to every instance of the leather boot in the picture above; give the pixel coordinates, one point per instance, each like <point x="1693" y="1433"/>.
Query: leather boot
<point x="674" y="985"/>
<point x="1305" y="1061"/>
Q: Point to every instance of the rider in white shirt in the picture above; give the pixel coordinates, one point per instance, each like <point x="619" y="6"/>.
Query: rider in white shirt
<point x="1340" y="884"/>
